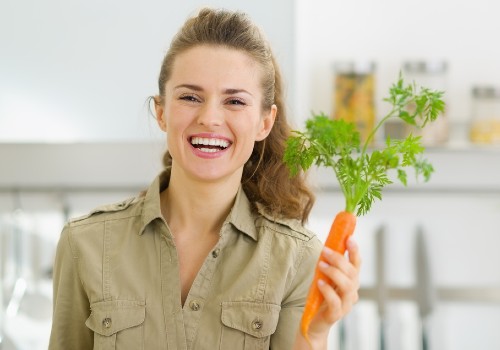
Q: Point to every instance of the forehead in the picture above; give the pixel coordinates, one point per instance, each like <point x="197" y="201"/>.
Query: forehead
<point x="216" y="65"/>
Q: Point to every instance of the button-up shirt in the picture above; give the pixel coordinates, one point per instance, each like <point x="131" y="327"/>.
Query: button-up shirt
<point x="117" y="285"/>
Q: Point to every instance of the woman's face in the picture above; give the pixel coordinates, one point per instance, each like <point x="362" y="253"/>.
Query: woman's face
<point x="212" y="112"/>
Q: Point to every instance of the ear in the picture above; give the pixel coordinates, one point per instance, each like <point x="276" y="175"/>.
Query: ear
<point x="160" y="117"/>
<point x="266" y="123"/>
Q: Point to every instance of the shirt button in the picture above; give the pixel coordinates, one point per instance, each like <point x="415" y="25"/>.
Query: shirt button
<point x="256" y="325"/>
<point x="106" y="322"/>
<point x="194" y="305"/>
<point x="216" y="252"/>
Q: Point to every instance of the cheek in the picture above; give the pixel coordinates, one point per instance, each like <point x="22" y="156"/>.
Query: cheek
<point x="175" y="126"/>
<point x="176" y="118"/>
<point x="250" y="125"/>
<point x="244" y="133"/>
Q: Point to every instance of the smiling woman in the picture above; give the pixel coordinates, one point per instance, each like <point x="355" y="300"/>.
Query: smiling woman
<point x="214" y="255"/>
<point x="224" y="106"/>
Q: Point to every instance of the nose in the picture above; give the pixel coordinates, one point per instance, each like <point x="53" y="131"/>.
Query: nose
<point x="211" y="114"/>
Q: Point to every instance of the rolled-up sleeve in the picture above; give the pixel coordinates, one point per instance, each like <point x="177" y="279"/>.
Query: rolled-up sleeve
<point x="294" y="302"/>
<point x="71" y="305"/>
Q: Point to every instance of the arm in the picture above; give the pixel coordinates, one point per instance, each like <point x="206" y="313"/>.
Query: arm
<point x="71" y="306"/>
<point x="339" y="296"/>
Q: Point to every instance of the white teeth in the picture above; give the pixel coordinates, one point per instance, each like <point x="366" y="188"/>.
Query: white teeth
<point x="209" y="142"/>
<point x="209" y="150"/>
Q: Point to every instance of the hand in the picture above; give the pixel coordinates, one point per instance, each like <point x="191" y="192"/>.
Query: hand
<point x="340" y="291"/>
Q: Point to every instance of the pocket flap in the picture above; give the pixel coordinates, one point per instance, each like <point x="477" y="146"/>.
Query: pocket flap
<point x="109" y="317"/>
<point x="256" y="319"/>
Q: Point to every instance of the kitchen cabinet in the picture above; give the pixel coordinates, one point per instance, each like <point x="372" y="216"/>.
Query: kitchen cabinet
<point x="458" y="212"/>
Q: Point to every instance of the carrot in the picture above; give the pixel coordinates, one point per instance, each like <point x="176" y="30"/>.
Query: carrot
<point x="342" y="228"/>
<point x="360" y="174"/>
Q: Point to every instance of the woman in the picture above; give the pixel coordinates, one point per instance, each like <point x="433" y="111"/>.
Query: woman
<point x="213" y="255"/>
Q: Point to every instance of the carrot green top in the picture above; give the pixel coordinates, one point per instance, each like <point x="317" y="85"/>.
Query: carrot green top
<point x="361" y="174"/>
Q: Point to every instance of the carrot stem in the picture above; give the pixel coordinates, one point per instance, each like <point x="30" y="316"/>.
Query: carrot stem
<point x="342" y="228"/>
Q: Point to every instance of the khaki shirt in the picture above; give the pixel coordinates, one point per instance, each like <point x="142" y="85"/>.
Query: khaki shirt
<point x="117" y="286"/>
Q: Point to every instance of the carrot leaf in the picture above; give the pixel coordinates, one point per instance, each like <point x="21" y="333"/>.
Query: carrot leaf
<point x="361" y="174"/>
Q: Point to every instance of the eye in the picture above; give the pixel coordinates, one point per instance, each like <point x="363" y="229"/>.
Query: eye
<point x="236" y="102"/>
<point x="189" y="98"/>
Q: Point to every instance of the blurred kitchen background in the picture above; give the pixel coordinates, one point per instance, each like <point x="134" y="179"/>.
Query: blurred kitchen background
<point x="75" y="133"/>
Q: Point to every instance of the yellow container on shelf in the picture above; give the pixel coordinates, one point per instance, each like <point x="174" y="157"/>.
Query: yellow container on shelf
<point x="485" y="124"/>
<point x="353" y="95"/>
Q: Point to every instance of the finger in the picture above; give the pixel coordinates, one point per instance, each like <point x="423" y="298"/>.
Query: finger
<point x="354" y="256"/>
<point x="332" y="300"/>
<point x="339" y="261"/>
<point x="343" y="283"/>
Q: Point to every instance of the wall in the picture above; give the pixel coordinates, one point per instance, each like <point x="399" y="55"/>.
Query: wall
<point x="82" y="70"/>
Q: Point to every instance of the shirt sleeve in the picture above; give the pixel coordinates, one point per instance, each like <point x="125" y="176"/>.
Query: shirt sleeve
<point x="293" y="305"/>
<point x="71" y="306"/>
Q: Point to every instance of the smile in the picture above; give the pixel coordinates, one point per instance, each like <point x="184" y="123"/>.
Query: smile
<point x="209" y="145"/>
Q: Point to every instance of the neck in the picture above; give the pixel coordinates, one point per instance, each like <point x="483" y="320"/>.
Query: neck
<point x="208" y="202"/>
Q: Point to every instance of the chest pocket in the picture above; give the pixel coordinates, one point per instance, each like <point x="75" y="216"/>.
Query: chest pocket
<point x="248" y="325"/>
<point x="117" y="324"/>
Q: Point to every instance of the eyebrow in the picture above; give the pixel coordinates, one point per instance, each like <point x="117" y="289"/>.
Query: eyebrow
<point x="189" y="86"/>
<point x="229" y="91"/>
<point x="235" y="91"/>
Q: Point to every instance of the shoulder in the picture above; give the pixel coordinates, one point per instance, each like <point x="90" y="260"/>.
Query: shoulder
<point x="122" y="209"/>
<point x="83" y="236"/>
<point x="284" y="226"/>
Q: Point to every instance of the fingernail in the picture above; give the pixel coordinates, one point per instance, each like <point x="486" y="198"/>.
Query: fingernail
<point x="321" y="283"/>
<point x="323" y="264"/>
<point x="327" y="251"/>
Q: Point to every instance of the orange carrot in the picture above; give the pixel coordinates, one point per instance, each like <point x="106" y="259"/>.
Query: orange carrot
<point x="342" y="228"/>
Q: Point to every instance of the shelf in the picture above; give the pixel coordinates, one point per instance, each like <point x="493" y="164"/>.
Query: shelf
<point x="79" y="166"/>
<point x="97" y="166"/>
<point x="458" y="169"/>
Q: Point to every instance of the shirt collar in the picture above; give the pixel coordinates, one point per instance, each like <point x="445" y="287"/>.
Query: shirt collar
<point x="241" y="215"/>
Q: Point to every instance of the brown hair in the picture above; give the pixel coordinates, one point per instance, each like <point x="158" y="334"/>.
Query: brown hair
<point x="265" y="177"/>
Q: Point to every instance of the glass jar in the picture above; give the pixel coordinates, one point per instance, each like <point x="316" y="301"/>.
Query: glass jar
<point x="431" y="75"/>
<point x="353" y="97"/>
<point x="485" y="124"/>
